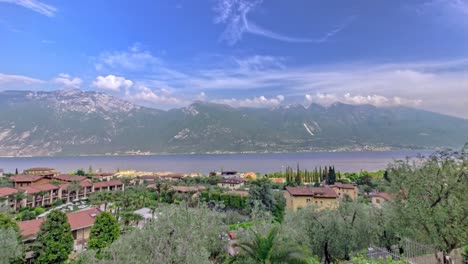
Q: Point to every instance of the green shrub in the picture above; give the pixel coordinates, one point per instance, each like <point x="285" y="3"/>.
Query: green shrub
<point x="225" y="198"/>
<point x="39" y="210"/>
<point x="215" y="196"/>
<point x="235" y="201"/>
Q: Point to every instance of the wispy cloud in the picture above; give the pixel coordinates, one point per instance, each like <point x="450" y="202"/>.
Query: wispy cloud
<point x="34" y="5"/>
<point x="234" y="14"/>
<point x="134" y="59"/>
<point x="10" y="78"/>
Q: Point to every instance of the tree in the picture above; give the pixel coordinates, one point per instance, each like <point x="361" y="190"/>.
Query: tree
<point x="331" y="176"/>
<point x="7" y="222"/>
<point x="54" y="240"/>
<point x="74" y="187"/>
<point x="262" y="191"/>
<point x="90" y="170"/>
<point x="333" y="234"/>
<point x="80" y="172"/>
<point x="104" y="231"/>
<point x="266" y="249"/>
<point x="11" y="249"/>
<point x="16" y="171"/>
<point x="430" y="199"/>
<point x="180" y="235"/>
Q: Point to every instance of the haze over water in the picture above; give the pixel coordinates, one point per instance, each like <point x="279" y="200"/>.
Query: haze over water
<point x="204" y="163"/>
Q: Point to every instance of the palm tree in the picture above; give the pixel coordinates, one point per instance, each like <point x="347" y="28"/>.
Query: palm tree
<point x="265" y="250"/>
<point x="74" y="187"/>
<point x="18" y="197"/>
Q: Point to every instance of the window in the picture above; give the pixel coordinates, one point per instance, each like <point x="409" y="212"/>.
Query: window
<point x="377" y="201"/>
<point x="308" y="200"/>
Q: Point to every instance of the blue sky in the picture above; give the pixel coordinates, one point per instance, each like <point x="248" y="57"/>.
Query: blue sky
<point x="169" y="53"/>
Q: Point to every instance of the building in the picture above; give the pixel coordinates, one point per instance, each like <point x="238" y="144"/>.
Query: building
<point x="300" y="197"/>
<point x="343" y="189"/>
<point x="102" y="176"/>
<point x="231" y="183"/>
<point x="7" y="197"/>
<point x="80" y="223"/>
<point x="377" y="199"/>
<point x="40" y="171"/>
<point x="1" y="173"/>
<point x="40" y="195"/>
<point x="47" y="193"/>
<point x="23" y="180"/>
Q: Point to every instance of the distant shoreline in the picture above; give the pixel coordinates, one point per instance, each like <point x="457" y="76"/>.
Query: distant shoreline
<point x="227" y="153"/>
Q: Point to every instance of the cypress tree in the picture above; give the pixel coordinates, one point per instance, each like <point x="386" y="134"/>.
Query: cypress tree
<point x="54" y="240"/>
<point x="104" y="231"/>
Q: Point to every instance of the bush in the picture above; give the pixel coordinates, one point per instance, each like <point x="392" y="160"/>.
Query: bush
<point x="215" y="196"/>
<point x="235" y="201"/>
<point x="225" y="199"/>
<point x="205" y="195"/>
<point x="39" y="210"/>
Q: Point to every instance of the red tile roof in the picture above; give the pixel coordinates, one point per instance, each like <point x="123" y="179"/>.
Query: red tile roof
<point x="30" y="228"/>
<point x="83" y="218"/>
<point x="69" y="178"/>
<point x="315" y="192"/>
<point x="26" y="178"/>
<point x="343" y="185"/>
<point x="29" y="190"/>
<point x="107" y="183"/>
<point x="7" y="191"/>
<point x="45" y="187"/>
<point x="77" y="220"/>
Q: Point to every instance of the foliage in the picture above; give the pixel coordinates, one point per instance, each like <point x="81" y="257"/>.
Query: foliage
<point x="180" y="235"/>
<point x="104" y="231"/>
<point x="80" y="172"/>
<point x="267" y="249"/>
<point x="430" y="204"/>
<point x="11" y="249"/>
<point x="7" y="222"/>
<point x="54" y="240"/>
<point x="361" y="259"/>
<point x="261" y="191"/>
<point x="333" y="234"/>
<point x="39" y="210"/>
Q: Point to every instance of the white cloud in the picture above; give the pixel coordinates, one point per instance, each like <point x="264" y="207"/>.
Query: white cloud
<point x="67" y="81"/>
<point x="158" y="98"/>
<point x="9" y="78"/>
<point x="374" y="99"/>
<point x="257" y="102"/>
<point x="234" y="13"/>
<point x="112" y="82"/>
<point x="34" y="5"/>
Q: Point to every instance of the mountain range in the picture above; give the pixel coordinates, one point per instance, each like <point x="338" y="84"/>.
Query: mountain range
<point x="75" y="122"/>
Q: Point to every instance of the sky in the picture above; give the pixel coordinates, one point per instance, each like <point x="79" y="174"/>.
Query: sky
<point x="245" y="53"/>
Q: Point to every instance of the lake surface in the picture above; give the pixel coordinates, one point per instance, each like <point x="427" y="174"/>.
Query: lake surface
<point x="204" y="163"/>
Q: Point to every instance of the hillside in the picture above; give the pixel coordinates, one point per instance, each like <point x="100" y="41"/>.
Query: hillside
<point x="73" y="122"/>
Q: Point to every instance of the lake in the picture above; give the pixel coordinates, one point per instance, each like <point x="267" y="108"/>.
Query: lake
<point x="204" y="163"/>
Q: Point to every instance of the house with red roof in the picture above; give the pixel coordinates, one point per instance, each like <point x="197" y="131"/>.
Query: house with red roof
<point x="345" y="189"/>
<point x="80" y="223"/>
<point x="301" y="197"/>
<point x="377" y="199"/>
<point x="7" y="197"/>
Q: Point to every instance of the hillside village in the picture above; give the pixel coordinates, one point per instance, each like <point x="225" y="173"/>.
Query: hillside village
<point x="374" y="210"/>
<point x="36" y="192"/>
